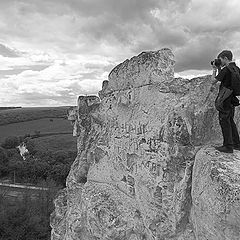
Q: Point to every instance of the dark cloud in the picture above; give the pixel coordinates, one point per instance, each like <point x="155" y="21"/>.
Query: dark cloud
<point x="78" y="31"/>
<point x="20" y="69"/>
<point x="86" y="27"/>
<point x="124" y="10"/>
<point x="198" y="53"/>
<point x="35" y="67"/>
<point x="128" y="24"/>
<point x="8" y="52"/>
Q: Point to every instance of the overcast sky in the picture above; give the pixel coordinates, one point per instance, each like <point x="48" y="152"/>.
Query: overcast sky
<point x="51" y="51"/>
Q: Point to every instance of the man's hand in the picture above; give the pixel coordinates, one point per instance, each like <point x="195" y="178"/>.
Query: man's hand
<point x="214" y="67"/>
<point x="214" y="81"/>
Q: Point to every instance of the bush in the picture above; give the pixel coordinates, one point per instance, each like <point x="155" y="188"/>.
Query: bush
<point x="59" y="173"/>
<point x="11" y="152"/>
<point x="38" y="165"/>
<point x="10" y="142"/>
<point x="3" y="155"/>
<point x="60" y="156"/>
<point x="3" y="162"/>
<point x="21" y="138"/>
<point x="27" y="220"/>
<point x="26" y="136"/>
<point x="30" y="145"/>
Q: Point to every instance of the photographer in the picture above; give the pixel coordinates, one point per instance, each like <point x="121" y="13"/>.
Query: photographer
<point x="223" y="64"/>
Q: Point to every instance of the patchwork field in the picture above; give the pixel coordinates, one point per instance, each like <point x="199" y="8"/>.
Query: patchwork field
<point x="56" y="142"/>
<point x="55" y="130"/>
<point x="43" y="125"/>
<point x="31" y="113"/>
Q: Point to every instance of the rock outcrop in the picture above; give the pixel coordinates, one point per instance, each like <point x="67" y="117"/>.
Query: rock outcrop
<point x="143" y="170"/>
<point x="216" y="195"/>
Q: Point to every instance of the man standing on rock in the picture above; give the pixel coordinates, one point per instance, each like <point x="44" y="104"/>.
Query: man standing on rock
<point x="226" y="117"/>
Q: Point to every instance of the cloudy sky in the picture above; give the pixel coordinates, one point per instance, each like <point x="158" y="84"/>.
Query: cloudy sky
<point x="51" y="51"/>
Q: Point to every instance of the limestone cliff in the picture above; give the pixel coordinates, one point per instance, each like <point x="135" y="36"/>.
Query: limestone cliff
<point x="216" y="195"/>
<point x="145" y="168"/>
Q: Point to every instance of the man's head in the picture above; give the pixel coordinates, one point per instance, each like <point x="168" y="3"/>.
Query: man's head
<point x="225" y="56"/>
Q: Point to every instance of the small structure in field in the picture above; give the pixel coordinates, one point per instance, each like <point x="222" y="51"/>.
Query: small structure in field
<point x="23" y="150"/>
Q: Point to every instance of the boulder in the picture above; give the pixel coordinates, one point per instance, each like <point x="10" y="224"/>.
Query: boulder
<point x="216" y="195"/>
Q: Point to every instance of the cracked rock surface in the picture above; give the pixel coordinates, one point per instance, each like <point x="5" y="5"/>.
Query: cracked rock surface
<point x="216" y="195"/>
<point x="133" y="177"/>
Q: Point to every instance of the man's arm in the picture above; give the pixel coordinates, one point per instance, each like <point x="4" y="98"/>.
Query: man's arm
<point x="214" y="74"/>
<point x="217" y="78"/>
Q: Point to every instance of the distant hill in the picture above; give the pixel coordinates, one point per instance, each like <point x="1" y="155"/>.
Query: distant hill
<point x="44" y="125"/>
<point x="4" y="108"/>
<point x="14" y="115"/>
<point x="55" y="131"/>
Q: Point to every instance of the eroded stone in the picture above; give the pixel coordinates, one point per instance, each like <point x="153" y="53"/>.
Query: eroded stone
<point x="216" y="195"/>
<point x="132" y="178"/>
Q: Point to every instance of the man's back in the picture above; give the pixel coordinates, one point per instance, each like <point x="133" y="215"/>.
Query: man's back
<point x="225" y="74"/>
<point x="225" y="77"/>
<point x="235" y="78"/>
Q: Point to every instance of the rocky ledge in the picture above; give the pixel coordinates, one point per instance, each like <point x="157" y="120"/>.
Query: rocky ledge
<point x="145" y="167"/>
<point x="216" y="195"/>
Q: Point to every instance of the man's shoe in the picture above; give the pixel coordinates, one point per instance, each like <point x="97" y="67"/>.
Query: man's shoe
<point x="236" y="147"/>
<point x="224" y="149"/>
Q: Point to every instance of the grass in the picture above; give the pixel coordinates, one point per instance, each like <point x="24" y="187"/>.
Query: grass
<point x="5" y="108"/>
<point x="43" y="125"/>
<point x="56" y="142"/>
<point x="55" y="129"/>
<point x="31" y="113"/>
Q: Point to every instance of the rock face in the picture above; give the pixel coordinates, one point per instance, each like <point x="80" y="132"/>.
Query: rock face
<point x="141" y="160"/>
<point x="216" y="195"/>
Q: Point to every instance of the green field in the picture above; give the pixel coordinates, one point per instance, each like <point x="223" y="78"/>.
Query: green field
<point x="56" y="142"/>
<point x="42" y="125"/>
<point x="31" y="113"/>
<point x="55" y="129"/>
<point x="50" y="141"/>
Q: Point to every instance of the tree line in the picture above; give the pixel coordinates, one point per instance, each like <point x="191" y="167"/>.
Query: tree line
<point x="28" y="219"/>
<point x="38" y="166"/>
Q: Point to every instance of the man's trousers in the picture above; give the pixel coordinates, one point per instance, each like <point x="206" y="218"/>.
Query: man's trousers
<point x="228" y="126"/>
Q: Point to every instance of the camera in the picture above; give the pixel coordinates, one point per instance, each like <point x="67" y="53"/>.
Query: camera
<point x="217" y="62"/>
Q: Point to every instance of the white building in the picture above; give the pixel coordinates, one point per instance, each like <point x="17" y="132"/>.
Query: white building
<point x="23" y="150"/>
